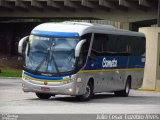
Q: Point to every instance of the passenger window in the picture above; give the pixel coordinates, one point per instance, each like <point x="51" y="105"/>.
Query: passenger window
<point x="98" y="41"/>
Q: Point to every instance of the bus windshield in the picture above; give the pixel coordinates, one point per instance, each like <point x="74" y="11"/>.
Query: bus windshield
<point x="51" y="54"/>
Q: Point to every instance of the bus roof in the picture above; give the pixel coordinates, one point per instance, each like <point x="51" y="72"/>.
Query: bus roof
<point x="79" y="29"/>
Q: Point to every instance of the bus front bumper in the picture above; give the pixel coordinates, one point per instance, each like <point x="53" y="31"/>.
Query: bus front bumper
<point x="41" y="87"/>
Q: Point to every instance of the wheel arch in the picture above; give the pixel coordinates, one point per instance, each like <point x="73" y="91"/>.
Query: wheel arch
<point x="91" y="80"/>
<point x="129" y="78"/>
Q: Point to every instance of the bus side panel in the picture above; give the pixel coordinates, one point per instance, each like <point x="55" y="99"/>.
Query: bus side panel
<point x="137" y="79"/>
<point x="136" y="66"/>
<point x="85" y="76"/>
<point x="103" y="81"/>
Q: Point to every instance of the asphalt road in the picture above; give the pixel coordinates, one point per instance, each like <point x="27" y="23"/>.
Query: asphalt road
<point x="14" y="101"/>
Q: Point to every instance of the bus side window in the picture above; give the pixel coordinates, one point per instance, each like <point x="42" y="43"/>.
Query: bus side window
<point x="97" y="45"/>
<point x="116" y="45"/>
<point x="110" y="45"/>
<point x="124" y="45"/>
<point x="135" y="45"/>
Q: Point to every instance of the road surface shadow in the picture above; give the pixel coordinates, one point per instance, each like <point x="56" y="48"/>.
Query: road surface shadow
<point x="74" y="99"/>
<point x="108" y="98"/>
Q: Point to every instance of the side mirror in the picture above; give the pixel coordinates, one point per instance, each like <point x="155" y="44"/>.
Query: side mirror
<point x="22" y="44"/>
<point x="78" y="47"/>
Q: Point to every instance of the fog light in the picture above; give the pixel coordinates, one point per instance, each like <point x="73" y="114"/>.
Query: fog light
<point x="70" y="90"/>
<point x="79" y="80"/>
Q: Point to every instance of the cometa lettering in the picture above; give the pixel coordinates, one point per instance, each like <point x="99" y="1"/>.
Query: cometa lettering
<point x="109" y="63"/>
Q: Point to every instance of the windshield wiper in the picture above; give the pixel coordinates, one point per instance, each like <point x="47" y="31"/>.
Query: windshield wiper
<point x="45" y="59"/>
<point x="52" y="57"/>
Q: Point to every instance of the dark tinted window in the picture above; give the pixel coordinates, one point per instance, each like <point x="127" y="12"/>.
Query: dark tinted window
<point x="115" y="44"/>
<point x="97" y="42"/>
<point x="97" y="47"/>
<point x="118" y="44"/>
<point x="137" y="45"/>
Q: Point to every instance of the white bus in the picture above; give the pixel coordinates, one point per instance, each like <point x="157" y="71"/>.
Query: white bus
<point x="81" y="59"/>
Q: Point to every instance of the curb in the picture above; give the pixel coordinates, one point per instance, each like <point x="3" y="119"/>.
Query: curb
<point x="10" y="77"/>
<point x="146" y="89"/>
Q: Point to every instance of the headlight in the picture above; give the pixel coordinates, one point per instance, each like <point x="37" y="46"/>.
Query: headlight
<point x="25" y="78"/>
<point x="68" y="81"/>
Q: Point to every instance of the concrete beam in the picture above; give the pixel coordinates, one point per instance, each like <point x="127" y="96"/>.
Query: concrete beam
<point x="132" y="5"/>
<point x="106" y="3"/>
<point x="36" y="4"/>
<point x="69" y="3"/>
<point x="5" y="4"/>
<point x="125" y="3"/>
<point x="21" y="4"/>
<point x="54" y="5"/>
<point x="87" y="3"/>
<point x="118" y="10"/>
<point x="145" y="3"/>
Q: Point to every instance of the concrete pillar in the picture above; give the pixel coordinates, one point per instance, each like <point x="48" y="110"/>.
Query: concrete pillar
<point x="152" y="67"/>
<point x="158" y="64"/>
<point x="125" y="25"/>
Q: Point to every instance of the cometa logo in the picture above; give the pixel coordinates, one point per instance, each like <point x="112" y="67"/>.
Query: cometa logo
<point x="109" y="63"/>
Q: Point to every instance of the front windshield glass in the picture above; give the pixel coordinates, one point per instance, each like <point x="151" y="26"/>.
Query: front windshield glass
<point x="51" y="54"/>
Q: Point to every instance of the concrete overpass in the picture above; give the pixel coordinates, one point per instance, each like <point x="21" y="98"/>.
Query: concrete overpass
<point x="119" y="10"/>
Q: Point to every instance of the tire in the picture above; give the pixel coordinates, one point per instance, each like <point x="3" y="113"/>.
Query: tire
<point x="43" y="95"/>
<point x="89" y="93"/>
<point x="125" y="92"/>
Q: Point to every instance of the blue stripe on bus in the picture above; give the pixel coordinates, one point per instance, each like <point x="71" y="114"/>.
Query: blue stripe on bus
<point x="96" y="64"/>
<point x="45" y="77"/>
<point x="122" y="62"/>
<point x="57" y="34"/>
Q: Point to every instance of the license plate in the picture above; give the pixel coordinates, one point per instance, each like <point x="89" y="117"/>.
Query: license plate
<point x="45" y="89"/>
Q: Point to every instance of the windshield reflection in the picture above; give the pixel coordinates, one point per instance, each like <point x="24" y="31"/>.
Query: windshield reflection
<point x="52" y="55"/>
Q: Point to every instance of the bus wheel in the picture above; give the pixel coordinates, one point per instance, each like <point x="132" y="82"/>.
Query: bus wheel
<point x="88" y="94"/>
<point x="125" y="92"/>
<point x="43" y="95"/>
